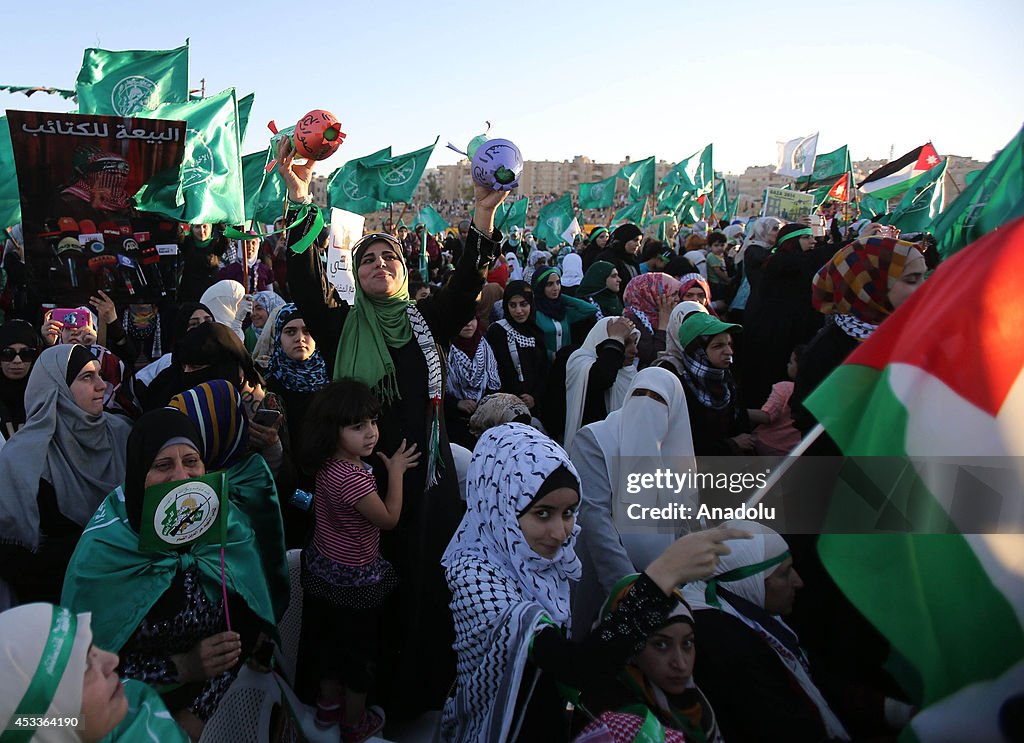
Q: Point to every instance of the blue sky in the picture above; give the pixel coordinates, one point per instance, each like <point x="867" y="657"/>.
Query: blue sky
<point x="602" y="79"/>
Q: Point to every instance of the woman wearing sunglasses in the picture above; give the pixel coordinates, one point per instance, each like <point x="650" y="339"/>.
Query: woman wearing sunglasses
<point x="19" y="346"/>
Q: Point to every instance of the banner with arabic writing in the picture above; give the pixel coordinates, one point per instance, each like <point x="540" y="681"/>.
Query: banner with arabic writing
<point x="77" y="176"/>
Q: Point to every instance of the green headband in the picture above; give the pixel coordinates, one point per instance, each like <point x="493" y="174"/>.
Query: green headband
<point x="798" y="233"/>
<point x="711" y="592"/>
<point x="541" y="278"/>
<point x="43" y="687"/>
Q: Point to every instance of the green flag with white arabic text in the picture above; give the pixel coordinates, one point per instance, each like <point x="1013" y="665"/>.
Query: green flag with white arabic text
<point x="132" y="82"/>
<point x="695" y="173"/>
<point x="640" y="176"/>
<point x="923" y="203"/>
<point x="629" y="213"/>
<point x="352" y="189"/>
<point x="553" y="220"/>
<point x="395" y="179"/>
<point x="598" y="195"/>
<point x="208" y="188"/>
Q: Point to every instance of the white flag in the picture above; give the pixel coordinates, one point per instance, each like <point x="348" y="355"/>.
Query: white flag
<point x="571" y="231"/>
<point x="796" y="157"/>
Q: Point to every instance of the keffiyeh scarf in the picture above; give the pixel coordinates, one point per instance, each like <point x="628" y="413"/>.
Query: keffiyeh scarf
<point x="712" y="387"/>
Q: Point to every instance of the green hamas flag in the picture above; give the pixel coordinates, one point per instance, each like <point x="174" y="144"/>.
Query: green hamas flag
<point x="991" y="199"/>
<point x="630" y="213"/>
<point x="264" y="192"/>
<point x="244" y="109"/>
<point x="695" y="173"/>
<point x="395" y="178"/>
<point x="721" y="206"/>
<point x="598" y="195"/>
<point x="131" y="83"/>
<point x="553" y="220"/>
<point x="640" y="176"/>
<point x="690" y="210"/>
<point x="10" y="200"/>
<point x="432" y="222"/>
<point x="511" y="215"/>
<point x="923" y="203"/>
<point x="350" y="189"/>
<point x="670" y="197"/>
<point x="208" y="188"/>
<point x="870" y="207"/>
<point x="830" y="166"/>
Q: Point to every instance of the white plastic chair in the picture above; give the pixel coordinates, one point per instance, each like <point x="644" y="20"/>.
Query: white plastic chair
<point x="290" y="626"/>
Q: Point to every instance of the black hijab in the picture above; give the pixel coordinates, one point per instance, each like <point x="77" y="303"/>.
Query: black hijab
<point x="12" y="391"/>
<point x="150" y="434"/>
<point x="184" y="314"/>
<point x="524" y="290"/>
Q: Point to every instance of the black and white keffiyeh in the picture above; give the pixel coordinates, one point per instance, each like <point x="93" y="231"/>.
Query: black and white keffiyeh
<point x="470" y="378"/>
<point x="516" y="340"/>
<point x="712" y="387"/>
<point x="428" y="347"/>
<point x="854" y="326"/>
<point x="502" y="591"/>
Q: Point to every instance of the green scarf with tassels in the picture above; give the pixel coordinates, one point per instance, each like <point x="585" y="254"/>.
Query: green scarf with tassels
<point x="372" y="326"/>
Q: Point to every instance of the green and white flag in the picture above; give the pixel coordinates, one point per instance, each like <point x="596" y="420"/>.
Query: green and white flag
<point x="133" y="82"/>
<point x="209" y="187"/>
<point x="264" y="192"/>
<point x="553" y="220"/>
<point x="951" y="604"/>
<point x="352" y="189"/>
<point x="992" y="198"/>
<point x="244" y="109"/>
<point x="599" y="194"/>
<point x="432" y="222"/>
<point x="829" y="167"/>
<point x="640" y="177"/>
<point x="395" y="178"/>
<point x="630" y="213"/>
<point x="695" y="173"/>
<point x="511" y="215"/>
<point x="10" y="198"/>
<point x="670" y="197"/>
<point x="923" y="203"/>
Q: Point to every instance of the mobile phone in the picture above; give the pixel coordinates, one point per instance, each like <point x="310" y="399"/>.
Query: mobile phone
<point x="887" y="230"/>
<point x="817" y="225"/>
<point x="266" y="417"/>
<point x="72" y="318"/>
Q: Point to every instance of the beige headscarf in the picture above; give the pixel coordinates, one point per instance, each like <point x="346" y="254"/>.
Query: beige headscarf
<point x="673" y="353"/>
<point x="24" y="635"/>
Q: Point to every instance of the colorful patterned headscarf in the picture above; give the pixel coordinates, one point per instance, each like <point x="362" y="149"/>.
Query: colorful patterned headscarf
<point x="688" y="281"/>
<point x="216" y="410"/>
<point x="856" y="280"/>
<point x="642" y="295"/>
<point x="298" y="376"/>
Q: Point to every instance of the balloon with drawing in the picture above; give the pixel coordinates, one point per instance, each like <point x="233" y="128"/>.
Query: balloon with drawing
<point x="497" y="164"/>
<point x="318" y="135"/>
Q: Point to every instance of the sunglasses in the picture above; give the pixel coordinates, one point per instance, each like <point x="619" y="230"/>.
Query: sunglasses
<point x="28" y="355"/>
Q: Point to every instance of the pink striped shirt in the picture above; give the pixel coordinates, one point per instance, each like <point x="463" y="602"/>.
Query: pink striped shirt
<point x="340" y="532"/>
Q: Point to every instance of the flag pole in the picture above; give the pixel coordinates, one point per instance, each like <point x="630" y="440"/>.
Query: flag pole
<point x="405" y="205"/>
<point x="784" y="466"/>
<point x="391" y="214"/>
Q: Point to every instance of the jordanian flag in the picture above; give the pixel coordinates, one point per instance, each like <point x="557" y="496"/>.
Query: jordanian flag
<point x="893" y="178"/>
<point x="937" y="381"/>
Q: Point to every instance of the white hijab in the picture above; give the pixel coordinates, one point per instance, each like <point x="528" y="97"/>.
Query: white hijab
<point x="766" y="547"/>
<point x="757" y="234"/>
<point x="515" y="271"/>
<point x="224" y="300"/>
<point x="643" y="436"/>
<point x="572" y="270"/>
<point x="577" y="375"/>
<point x="673" y="353"/>
<point x="24" y="635"/>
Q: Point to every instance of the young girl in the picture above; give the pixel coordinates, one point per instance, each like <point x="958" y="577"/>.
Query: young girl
<point x="775" y="433"/>
<point x="344" y="578"/>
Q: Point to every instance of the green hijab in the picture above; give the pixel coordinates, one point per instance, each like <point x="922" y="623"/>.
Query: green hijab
<point x="374" y="325"/>
<point x="595" y="288"/>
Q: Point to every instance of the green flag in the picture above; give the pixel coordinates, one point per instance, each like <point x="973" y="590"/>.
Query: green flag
<point x="395" y="179"/>
<point x="991" y="199"/>
<point x="870" y="207"/>
<point x="511" y="215"/>
<point x="208" y="188"/>
<point x="923" y="203"/>
<point x="244" y="109"/>
<point x="630" y="213"/>
<point x="350" y="189"/>
<point x="640" y="176"/>
<point x="131" y="83"/>
<point x="695" y="173"/>
<point x="690" y="210"/>
<point x="264" y="192"/>
<point x="432" y="222"/>
<point x="10" y="200"/>
<point x="599" y="194"/>
<point x="553" y="220"/>
<point x="670" y="197"/>
<point x="721" y="205"/>
<point x="829" y="167"/>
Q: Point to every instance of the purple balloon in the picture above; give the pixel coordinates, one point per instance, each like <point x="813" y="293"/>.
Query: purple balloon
<point x="497" y="165"/>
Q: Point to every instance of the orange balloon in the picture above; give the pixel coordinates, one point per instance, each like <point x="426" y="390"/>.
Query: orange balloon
<point x="318" y="135"/>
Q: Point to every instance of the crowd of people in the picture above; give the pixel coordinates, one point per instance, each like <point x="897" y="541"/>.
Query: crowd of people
<point x="447" y="452"/>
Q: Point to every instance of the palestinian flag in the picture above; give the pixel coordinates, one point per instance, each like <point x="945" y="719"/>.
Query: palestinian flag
<point x="897" y="176"/>
<point x="943" y="377"/>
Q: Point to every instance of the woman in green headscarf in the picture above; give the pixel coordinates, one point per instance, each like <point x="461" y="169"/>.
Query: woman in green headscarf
<point x="391" y="343"/>
<point x="600" y="286"/>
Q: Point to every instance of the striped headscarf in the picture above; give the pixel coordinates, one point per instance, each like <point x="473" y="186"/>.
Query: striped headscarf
<point x="856" y="281"/>
<point x="216" y="409"/>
